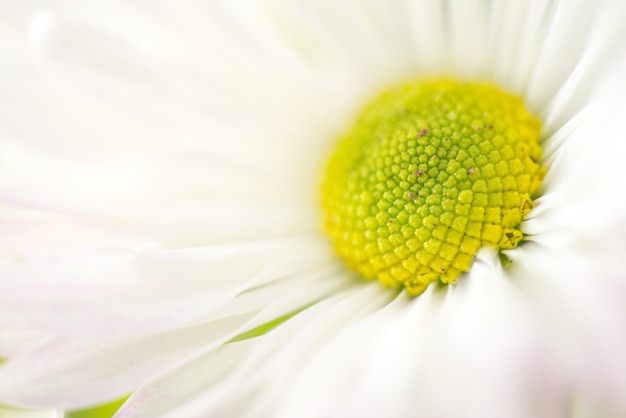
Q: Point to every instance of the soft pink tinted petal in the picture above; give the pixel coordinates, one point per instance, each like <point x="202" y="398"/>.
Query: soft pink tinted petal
<point x="75" y="373"/>
<point x="15" y="341"/>
<point x="118" y="293"/>
<point x="581" y="296"/>
<point x="240" y="391"/>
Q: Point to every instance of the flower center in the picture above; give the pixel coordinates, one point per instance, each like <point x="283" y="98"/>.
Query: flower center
<point x="430" y="174"/>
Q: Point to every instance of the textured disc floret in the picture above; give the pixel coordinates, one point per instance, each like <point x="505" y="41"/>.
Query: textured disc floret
<point x="430" y="174"/>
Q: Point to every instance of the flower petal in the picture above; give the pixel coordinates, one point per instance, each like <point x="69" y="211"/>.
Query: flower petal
<point x="75" y="373"/>
<point x="122" y="293"/>
<point x="292" y="342"/>
<point x="422" y="359"/>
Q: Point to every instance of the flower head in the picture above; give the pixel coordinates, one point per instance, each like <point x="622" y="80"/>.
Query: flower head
<point x="162" y="235"/>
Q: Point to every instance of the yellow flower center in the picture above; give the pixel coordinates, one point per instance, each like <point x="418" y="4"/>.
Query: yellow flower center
<point x="431" y="173"/>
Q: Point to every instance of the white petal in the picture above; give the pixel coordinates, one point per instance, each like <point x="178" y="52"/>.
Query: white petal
<point x="469" y="351"/>
<point x="580" y="294"/>
<point x="262" y="369"/>
<point x="584" y="198"/>
<point x="186" y="382"/>
<point x="75" y="373"/>
<point x="15" y="341"/>
<point x="30" y="291"/>
<point x="8" y="412"/>
<point x="564" y="48"/>
<point x="604" y="45"/>
<point x="121" y="293"/>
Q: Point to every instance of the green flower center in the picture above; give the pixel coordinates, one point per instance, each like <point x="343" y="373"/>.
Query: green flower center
<point x="430" y="174"/>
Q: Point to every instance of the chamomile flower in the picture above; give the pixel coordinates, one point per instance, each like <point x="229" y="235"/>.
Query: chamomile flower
<point x="325" y="209"/>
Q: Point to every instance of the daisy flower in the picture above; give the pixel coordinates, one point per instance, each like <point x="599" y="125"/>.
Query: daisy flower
<point x="315" y="209"/>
